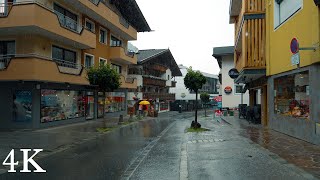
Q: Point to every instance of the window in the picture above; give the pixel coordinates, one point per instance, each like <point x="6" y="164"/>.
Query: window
<point x="90" y="25"/>
<point x="103" y="36"/>
<point x="64" y="57"/>
<point x="284" y="9"/>
<point x="66" y="18"/>
<point x="89" y="60"/>
<point x="116" y="67"/>
<point x="115" y="42"/>
<point x="238" y="89"/>
<point x="168" y="77"/>
<point x="292" y="95"/>
<point x="102" y="61"/>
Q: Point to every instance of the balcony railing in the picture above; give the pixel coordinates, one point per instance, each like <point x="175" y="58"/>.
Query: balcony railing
<point x="63" y="66"/>
<point x="4" y="9"/>
<point x="68" y="23"/>
<point x="95" y="2"/>
<point x="4" y="61"/>
<point x="161" y="96"/>
<point x="153" y="82"/>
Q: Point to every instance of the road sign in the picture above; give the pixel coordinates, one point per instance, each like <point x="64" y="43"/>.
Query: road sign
<point x="294" y="46"/>
<point x="295" y="59"/>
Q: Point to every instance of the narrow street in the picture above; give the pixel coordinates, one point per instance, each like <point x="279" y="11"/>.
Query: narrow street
<point x="161" y="149"/>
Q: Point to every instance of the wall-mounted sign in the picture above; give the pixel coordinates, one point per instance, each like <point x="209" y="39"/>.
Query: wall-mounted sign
<point x="233" y="73"/>
<point x="295" y="59"/>
<point x="228" y="90"/>
<point x="294" y="46"/>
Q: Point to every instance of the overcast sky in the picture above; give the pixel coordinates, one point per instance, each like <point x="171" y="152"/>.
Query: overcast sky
<point x="189" y="28"/>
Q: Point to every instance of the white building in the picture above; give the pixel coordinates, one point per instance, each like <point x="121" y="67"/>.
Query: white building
<point x="183" y="94"/>
<point x="225" y="58"/>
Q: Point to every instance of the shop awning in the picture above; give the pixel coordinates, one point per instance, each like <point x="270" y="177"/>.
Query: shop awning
<point x="249" y="75"/>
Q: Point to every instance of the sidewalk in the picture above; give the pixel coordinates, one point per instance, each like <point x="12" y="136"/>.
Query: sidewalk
<point x="298" y="152"/>
<point x="56" y="139"/>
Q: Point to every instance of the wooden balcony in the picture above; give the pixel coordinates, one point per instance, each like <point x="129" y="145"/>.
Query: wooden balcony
<point x="250" y="37"/>
<point x="161" y="96"/>
<point x="153" y="82"/>
<point x="122" y="55"/>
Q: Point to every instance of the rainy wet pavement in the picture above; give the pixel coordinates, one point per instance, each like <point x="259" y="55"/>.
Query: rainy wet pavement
<point x="161" y="149"/>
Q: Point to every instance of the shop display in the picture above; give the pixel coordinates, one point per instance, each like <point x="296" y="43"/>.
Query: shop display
<point x="115" y="102"/>
<point x="61" y="105"/>
<point x="89" y="105"/>
<point x="292" y="95"/>
<point x="22" y="106"/>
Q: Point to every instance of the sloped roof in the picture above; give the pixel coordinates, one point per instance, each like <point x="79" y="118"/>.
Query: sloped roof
<point x="159" y="56"/>
<point x="218" y="52"/>
<point x="132" y="13"/>
<point x="144" y="55"/>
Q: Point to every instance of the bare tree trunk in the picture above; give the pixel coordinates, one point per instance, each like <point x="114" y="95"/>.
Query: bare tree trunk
<point x="205" y="111"/>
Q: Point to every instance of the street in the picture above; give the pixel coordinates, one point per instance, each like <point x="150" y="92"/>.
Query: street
<point x="161" y="149"/>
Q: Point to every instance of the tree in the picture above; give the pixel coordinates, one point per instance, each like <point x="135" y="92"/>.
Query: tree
<point x="105" y="77"/>
<point x="205" y="98"/>
<point x="194" y="81"/>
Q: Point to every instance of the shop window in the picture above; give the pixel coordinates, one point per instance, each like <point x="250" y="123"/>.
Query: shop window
<point x="284" y="9"/>
<point x="89" y="105"/>
<point x="115" y="102"/>
<point x="101" y="102"/>
<point x="292" y="96"/>
<point x="59" y="105"/>
<point x="22" y="106"/>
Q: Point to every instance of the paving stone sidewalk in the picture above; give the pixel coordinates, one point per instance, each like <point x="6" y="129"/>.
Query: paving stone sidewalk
<point x="295" y="151"/>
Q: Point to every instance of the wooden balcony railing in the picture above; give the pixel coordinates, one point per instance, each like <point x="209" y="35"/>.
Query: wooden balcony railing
<point x="153" y="82"/>
<point x="161" y="96"/>
<point x="250" y="35"/>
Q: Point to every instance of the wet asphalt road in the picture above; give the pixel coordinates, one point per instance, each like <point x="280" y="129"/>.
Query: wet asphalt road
<point x="154" y="150"/>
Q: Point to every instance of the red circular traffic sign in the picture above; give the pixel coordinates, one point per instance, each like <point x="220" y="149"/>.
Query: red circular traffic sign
<point x="294" y="46"/>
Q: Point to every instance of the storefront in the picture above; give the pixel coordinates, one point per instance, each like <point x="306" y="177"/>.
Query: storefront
<point x="39" y="105"/>
<point x="294" y="103"/>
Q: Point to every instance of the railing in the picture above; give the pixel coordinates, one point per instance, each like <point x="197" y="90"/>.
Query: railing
<point x="126" y="52"/>
<point x="63" y="66"/>
<point x="161" y="96"/>
<point x="4" y="61"/>
<point x="95" y="2"/>
<point x="69" y="23"/>
<point x="5" y="9"/>
<point x="153" y="82"/>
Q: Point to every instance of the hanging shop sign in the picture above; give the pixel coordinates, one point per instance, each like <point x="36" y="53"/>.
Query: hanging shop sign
<point x="228" y="90"/>
<point x="233" y="73"/>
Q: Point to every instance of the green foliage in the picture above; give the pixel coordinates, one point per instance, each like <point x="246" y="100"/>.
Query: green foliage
<point x="205" y="97"/>
<point x="105" y="77"/>
<point x="197" y="130"/>
<point x="194" y="80"/>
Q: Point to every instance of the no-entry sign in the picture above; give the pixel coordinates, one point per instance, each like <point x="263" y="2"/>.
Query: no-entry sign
<point x="294" y="46"/>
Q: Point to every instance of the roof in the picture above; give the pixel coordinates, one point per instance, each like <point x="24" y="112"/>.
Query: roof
<point x="234" y="10"/>
<point x="130" y="10"/>
<point x="159" y="56"/>
<point x="144" y="55"/>
<point x="209" y="75"/>
<point x="218" y="52"/>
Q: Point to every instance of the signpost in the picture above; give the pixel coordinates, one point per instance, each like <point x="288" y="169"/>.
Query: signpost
<point x="294" y="47"/>
<point x="233" y="73"/>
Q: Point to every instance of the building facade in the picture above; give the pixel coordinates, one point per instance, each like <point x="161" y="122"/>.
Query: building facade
<point x="46" y="47"/>
<point x="232" y="94"/>
<point x="249" y="21"/>
<point x="294" y="72"/>
<point x="155" y="73"/>
<point x="186" y="98"/>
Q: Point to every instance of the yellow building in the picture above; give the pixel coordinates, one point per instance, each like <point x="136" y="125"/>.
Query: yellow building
<point x="45" y="48"/>
<point x="248" y="16"/>
<point x="293" y="70"/>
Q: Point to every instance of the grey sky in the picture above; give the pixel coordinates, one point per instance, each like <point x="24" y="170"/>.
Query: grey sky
<point x="189" y="28"/>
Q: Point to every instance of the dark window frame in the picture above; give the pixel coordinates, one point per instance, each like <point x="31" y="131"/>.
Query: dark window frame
<point x="64" y="54"/>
